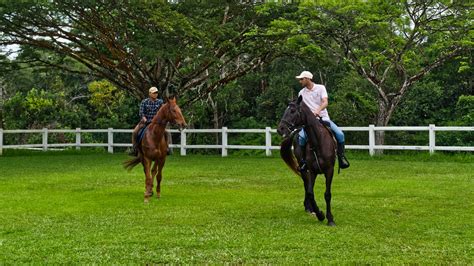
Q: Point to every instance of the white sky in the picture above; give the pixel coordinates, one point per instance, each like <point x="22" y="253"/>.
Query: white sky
<point x="12" y="49"/>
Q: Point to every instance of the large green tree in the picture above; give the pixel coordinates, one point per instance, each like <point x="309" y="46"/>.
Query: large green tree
<point x="391" y="44"/>
<point x="197" y="46"/>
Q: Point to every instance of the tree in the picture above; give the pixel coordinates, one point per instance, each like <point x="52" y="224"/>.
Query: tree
<point x="392" y="44"/>
<point x="198" y="47"/>
<point x="2" y="85"/>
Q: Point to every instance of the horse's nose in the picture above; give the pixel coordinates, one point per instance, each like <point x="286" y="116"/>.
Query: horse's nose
<point x="280" y="130"/>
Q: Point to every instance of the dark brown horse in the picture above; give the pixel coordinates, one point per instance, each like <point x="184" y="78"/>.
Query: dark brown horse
<point x="154" y="145"/>
<point x="320" y="153"/>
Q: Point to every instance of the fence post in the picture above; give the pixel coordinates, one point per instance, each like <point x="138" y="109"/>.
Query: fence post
<point x="78" y="138"/>
<point x="268" y="141"/>
<point x="1" y="141"/>
<point x="432" y="138"/>
<point x="110" y="141"/>
<point x="224" y="141"/>
<point x="183" y="142"/>
<point x="45" y="139"/>
<point x="371" y="140"/>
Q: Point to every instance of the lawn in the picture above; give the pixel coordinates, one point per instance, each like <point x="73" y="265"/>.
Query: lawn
<point x="84" y="208"/>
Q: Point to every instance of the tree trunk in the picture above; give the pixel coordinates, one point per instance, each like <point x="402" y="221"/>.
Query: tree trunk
<point x="1" y="104"/>
<point x="380" y="135"/>
<point x="215" y="116"/>
<point x="383" y="117"/>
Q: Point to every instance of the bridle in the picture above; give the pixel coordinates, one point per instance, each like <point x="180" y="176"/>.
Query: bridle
<point x="291" y="126"/>
<point x="163" y="122"/>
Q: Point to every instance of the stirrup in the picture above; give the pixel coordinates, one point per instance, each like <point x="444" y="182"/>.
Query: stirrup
<point x="343" y="162"/>
<point x="133" y="152"/>
<point x="303" y="167"/>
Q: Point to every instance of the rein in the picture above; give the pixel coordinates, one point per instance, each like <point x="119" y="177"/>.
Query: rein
<point x="295" y="131"/>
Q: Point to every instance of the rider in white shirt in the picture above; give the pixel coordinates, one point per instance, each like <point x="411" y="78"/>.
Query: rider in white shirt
<point x="315" y="97"/>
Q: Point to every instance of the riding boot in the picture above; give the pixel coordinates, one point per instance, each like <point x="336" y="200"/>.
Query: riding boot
<point x="343" y="162"/>
<point x="134" y="150"/>
<point x="302" y="164"/>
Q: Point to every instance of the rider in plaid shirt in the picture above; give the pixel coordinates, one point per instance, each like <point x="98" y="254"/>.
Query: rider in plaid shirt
<point x="148" y="108"/>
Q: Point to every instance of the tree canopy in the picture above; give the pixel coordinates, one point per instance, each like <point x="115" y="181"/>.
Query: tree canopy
<point x="233" y="63"/>
<point x="139" y="44"/>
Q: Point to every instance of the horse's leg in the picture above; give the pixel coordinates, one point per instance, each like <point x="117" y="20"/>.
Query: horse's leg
<point x="327" y="195"/>
<point x="299" y="155"/>
<point x="161" y="164"/>
<point x="310" y="194"/>
<point x="306" y="202"/>
<point x="154" y="170"/>
<point x="148" y="179"/>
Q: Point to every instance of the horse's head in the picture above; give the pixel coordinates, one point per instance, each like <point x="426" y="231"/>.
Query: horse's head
<point x="174" y="115"/>
<point x="292" y="118"/>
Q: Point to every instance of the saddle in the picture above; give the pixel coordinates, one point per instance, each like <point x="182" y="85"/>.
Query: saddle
<point x="327" y="125"/>
<point x="141" y="133"/>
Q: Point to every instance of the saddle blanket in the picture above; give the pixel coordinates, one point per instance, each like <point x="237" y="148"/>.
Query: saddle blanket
<point x="141" y="133"/>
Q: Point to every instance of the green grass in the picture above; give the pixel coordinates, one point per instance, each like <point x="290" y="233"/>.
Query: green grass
<point x="84" y="208"/>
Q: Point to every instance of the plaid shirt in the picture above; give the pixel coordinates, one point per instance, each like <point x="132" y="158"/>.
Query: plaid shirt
<point x="149" y="108"/>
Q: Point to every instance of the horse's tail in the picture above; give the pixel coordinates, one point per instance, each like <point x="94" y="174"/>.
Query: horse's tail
<point x="129" y="164"/>
<point x="287" y="155"/>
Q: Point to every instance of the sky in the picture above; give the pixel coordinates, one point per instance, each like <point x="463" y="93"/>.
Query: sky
<point x="11" y="49"/>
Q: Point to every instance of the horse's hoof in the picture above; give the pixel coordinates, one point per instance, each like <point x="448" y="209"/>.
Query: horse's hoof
<point x="312" y="214"/>
<point x="146" y="201"/>
<point x="158" y="195"/>
<point x="320" y="216"/>
<point x="331" y="223"/>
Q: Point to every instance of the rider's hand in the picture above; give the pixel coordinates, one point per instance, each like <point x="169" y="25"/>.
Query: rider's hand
<point x="143" y="119"/>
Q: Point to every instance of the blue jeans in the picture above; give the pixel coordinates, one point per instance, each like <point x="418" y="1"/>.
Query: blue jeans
<point x="302" y="139"/>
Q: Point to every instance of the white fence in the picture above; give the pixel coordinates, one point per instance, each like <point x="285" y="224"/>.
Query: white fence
<point x="225" y="132"/>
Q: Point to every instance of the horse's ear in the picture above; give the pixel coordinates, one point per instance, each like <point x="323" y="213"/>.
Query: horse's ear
<point x="300" y="98"/>
<point x="171" y="99"/>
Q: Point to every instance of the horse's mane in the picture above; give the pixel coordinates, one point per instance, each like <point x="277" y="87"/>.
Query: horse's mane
<point x="312" y="125"/>
<point x="310" y="117"/>
<point x="160" y="112"/>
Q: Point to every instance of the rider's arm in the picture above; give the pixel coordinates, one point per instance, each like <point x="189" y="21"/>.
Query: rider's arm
<point x="324" y="104"/>
<point x="142" y="111"/>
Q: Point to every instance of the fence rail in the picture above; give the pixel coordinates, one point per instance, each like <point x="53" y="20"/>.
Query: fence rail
<point x="225" y="132"/>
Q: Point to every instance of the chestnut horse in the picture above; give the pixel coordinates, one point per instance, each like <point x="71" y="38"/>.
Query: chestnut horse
<point x="320" y="153"/>
<point x="153" y="146"/>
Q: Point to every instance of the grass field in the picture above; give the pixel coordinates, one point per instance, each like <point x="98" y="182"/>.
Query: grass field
<point x="84" y="208"/>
